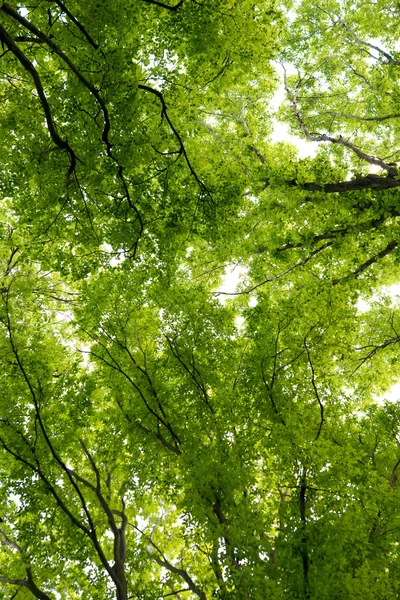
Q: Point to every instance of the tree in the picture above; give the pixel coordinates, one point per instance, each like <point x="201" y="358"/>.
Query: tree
<point x="161" y="436"/>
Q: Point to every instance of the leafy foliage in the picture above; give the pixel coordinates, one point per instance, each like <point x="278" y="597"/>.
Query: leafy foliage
<point x="160" y="435"/>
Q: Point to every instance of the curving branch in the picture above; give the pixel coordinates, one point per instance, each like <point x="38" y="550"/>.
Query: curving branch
<point x="90" y="531"/>
<point x="173" y="8"/>
<point x="321" y="406"/>
<point x="14" y="14"/>
<point x="358" y="118"/>
<point x="340" y="21"/>
<point x="27" y="583"/>
<point x="117" y="571"/>
<point x="182" y="150"/>
<point x="301" y="263"/>
<point x="192" y="371"/>
<point x="75" y="21"/>
<point x="112" y="363"/>
<point x="373" y="349"/>
<point x="335" y="233"/>
<point x="160" y="558"/>
<point x="28" y="66"/>
<point x="389" y="248"/>
<point x="341" y="141"/>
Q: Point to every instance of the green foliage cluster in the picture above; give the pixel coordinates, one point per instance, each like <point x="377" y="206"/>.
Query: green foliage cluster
<point x="160" y="435"/>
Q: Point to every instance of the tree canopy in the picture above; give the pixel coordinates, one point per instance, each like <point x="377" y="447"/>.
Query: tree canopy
<point x="162" y="434"/>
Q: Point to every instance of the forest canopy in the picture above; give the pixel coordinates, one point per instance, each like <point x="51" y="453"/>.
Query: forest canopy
<point x="163" y="433"/>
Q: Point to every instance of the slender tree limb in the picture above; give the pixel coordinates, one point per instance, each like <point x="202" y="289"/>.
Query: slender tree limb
<point x="194" y="373"/>
<point x="119" y="550"/>
<point x="359" y="118"/>
<point x="337" y="20"/>
<point x="374" y="160"/>
<point x="75" y="21"/>
<point x="335" y="233"/>
<point x="271" y="396"/>
<point x="301" y="263"/>
<point x="161" y="559"/>
<point x="389" y="248"/>
<point x="321" y="406"/>
<point x="28" y="66"/>
<point x="374" y="349"/>
<point x="14" y="14"/>
<point x="173" y="8"/>
<point x="182" y="149"/>
<point x="90" y="531"/>
<point x="114" y="364"/>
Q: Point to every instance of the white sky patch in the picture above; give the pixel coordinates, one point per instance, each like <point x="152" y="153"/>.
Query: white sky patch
<point x="239" y="322"/>
<point x="281" y="130"/>
<point x="393" y="394"/>
<point x="232" y="278"/>
<point x="117" y="259"/>
<point x="362" y="305"/>
<point x="393" y="291"/>
<point x="281" y="133"/>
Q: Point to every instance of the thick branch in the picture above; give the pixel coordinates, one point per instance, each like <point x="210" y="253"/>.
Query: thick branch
<point x="27" y="583"/>
<point x="28" y="66"/>
<point x="389" y="248"/>
<point x="369" y="182"/>
<point x="81" y="28"/>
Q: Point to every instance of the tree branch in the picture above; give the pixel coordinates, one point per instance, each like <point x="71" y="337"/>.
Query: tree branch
<point x="182" y="149"/>
<point x="301" y="263"/>
<point x="167" y="6"/>
<point x="28" y="66"/>
<point x="327" y="138"/>
<point x="321" y="406"/>
<point x="389" y="248"/>
<point x="81" y="28"/>
<point x="337" y="20"/>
